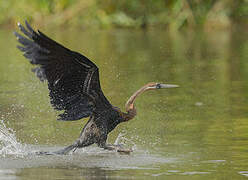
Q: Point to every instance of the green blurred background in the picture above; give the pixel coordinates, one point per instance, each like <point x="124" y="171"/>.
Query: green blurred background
<point x="175" y="14"/>
<point x="201" y="45"/>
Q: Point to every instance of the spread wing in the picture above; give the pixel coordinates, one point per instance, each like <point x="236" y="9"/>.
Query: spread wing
<point x="73" y="80"/>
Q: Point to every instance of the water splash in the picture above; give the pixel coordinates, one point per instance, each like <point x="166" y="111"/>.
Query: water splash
<point x="8" y="142"/>
<point x="121" y="139"/>
<point x="9" y="145"/>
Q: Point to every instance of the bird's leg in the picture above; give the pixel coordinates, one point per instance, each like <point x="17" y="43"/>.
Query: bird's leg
<point x="118" y="148"/>
<point x="102" y="143"/>
<point x="115" y="147"/>
<point x="112" y="147"/>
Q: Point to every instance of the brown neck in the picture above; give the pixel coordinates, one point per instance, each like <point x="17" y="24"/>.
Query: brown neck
<point x="131" y="110"/>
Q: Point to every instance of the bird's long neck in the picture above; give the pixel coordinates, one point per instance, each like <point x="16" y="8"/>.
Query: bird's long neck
<point x="131" y="110"/>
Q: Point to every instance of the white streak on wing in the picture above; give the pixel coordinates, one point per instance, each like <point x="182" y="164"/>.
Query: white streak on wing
<point x="86" y="81"/>
<point x="80" y="62"/>
<point x="89" y="81"/>
<point x="55" y="82"/>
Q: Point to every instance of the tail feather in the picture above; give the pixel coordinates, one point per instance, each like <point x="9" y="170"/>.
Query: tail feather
<point x="63" y="151"/>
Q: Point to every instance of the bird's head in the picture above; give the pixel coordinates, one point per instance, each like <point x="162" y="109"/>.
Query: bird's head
<point x="131" y="111"/>
<point x="151" y="86"/>
<point x="147" y="87"/>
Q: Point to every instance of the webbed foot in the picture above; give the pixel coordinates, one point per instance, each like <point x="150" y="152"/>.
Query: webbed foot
<point x="118" y="148"/>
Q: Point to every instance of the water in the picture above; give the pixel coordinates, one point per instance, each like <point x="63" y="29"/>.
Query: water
<point x="197" y="131"/>
<point x="9" y="144"/>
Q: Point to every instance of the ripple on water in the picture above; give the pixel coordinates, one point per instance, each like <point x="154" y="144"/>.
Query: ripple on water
<point x="16" y="155"/>
<point x="90" y="157"/>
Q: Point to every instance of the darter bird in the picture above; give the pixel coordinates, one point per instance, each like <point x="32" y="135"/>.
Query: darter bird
<point x="74" y="89"/>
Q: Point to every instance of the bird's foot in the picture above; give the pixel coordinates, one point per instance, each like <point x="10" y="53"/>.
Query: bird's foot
<point x="118" y="148"/>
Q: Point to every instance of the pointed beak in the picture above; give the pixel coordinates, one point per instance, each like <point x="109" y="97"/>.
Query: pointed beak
<point x="160" y="86"/>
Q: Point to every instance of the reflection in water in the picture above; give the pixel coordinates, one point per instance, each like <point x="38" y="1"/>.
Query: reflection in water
<point x="198" y="131"/>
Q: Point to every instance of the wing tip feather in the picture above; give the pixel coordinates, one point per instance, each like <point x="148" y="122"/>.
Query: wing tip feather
<point x="16" y="35"/>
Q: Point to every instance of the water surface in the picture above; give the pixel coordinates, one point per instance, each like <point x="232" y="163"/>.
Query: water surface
<point x="197" y="131"/>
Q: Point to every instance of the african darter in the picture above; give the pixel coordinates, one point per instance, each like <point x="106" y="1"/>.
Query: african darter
<point x="73" y="82"/>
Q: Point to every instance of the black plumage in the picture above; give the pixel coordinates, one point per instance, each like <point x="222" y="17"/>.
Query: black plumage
<point x="74" y="88"/>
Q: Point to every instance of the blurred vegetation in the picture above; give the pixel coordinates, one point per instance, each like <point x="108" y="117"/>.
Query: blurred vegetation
<point x="126" y="13"/>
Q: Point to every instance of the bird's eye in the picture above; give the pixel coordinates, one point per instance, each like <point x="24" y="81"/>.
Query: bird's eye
<point x="158" y="86"/>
